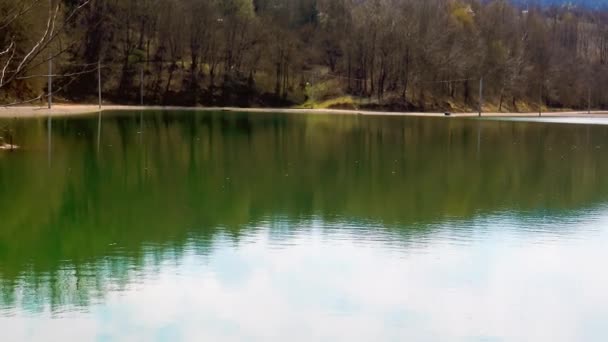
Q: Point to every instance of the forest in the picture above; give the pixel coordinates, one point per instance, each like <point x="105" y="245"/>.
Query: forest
<point x="377" y="54"/>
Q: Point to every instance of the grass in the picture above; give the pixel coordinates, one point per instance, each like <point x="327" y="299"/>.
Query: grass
<point x="337" y="102"/>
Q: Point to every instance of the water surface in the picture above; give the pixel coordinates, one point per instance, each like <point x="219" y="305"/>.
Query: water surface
<point x="262" y="227"/>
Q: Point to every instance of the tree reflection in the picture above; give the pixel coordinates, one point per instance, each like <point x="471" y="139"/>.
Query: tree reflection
<point x="115" y="204"/>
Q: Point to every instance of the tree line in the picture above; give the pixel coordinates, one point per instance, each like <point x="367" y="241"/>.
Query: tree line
<point x="405" y="54"/>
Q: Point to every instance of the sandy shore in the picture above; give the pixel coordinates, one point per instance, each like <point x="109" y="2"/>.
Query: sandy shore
<point x="80" y="109"/>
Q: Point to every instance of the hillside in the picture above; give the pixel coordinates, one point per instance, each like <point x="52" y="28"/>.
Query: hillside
<point x="389" y="54"/>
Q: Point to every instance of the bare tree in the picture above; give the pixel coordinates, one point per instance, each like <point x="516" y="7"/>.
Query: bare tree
<point x="18" y="56"/>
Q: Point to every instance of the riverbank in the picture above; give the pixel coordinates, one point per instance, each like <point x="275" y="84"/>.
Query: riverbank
<point x="82" y="109"/>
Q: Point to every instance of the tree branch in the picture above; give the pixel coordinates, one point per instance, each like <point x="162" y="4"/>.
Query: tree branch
<point x="8" y="48"/>
<point x="50" y="22"/>
<point x="49" y="35"/>
<point x="17" y="15"/>
<point x="7" y="64"/>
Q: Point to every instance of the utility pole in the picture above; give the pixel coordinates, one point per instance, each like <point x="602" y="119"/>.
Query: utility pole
<point x="99" y="81"/>
<point x="50" y="80"/>
<point x="480" y="95"/>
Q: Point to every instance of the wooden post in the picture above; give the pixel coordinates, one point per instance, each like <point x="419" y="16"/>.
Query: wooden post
<point x="480" y="95"/>
<point x="99" y="81"/>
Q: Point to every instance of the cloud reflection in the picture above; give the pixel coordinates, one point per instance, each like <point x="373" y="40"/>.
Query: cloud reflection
<point x="500" y="286"/>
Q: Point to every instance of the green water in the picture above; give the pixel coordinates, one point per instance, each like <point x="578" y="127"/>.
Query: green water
<point x="262" y="227"/>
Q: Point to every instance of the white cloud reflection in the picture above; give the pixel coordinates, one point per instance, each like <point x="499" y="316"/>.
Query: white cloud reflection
<point x="500" y="286"/>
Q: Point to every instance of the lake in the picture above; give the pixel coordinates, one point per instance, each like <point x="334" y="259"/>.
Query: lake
<point x="193" y="226"/>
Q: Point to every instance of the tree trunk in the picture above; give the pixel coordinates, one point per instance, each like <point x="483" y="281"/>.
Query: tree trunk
<point x="502" y="92"/>
<point x="168" y="85"/>
<point x="277" y="83"/>
<point x="193" y="78"/>
<point x="349" y="73"/>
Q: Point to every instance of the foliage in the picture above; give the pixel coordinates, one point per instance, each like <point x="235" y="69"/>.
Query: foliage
<point x="421" y="54"/>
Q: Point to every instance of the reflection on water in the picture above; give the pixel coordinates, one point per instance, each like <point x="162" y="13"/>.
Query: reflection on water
<point x="581" y="120"/>
<point x="49" y="135"/>
<point x="223" y="226"/>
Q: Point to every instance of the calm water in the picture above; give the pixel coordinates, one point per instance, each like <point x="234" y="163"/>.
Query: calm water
<point x="259" y="227"/>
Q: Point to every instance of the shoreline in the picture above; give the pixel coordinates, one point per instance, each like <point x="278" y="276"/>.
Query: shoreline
<point x="60" y="110"/>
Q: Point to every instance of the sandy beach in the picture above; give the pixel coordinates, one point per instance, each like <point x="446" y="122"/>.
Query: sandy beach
<point x="80" y="109"/>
